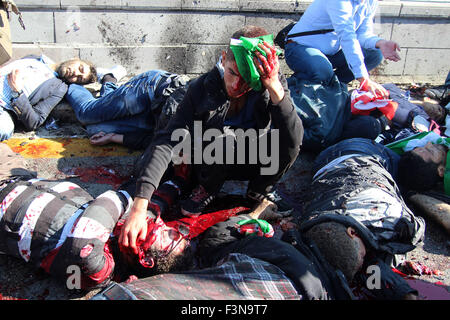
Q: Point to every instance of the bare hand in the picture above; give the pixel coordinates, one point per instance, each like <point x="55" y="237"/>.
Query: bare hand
<point x="268" y="68"/>
<point x="375" y="88"/>
<point x="135" y="227"/>
<point x="16" y="80"/>
<point x="389" y="49"/>
<point x="102" y="138"/>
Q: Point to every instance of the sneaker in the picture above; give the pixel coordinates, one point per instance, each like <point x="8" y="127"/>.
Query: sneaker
<point x="197" y="202"/>
<point x="118" y="72"/>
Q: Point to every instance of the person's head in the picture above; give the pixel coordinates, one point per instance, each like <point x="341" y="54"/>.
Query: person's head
<point x="234" y="83"/>
<point x="341" y="246"/>
<point x="421" y="168"/>
<point x="165" y="249"/>
<point x="77" y="71"/>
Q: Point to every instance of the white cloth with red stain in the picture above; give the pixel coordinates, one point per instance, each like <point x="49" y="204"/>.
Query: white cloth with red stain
<point x="363" y="102"/>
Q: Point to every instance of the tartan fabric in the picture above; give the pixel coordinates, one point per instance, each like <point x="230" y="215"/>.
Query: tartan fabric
<point x="235" y="278"/>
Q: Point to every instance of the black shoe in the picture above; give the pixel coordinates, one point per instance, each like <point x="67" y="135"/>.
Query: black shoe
<point x="438" y="93"/>
<point x="197" y="202"/>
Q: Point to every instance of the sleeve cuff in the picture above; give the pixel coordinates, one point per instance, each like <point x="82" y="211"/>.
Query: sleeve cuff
<point x="144" y="190"/>
<point x="371" y="42"/>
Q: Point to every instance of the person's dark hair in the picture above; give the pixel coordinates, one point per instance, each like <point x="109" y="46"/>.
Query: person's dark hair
<point x="92" y="70"/>
<point x="248" y="31"/>
<point x="164" y="263"/>
<point x="338" y="249"/>
<point x="414" y="173"/>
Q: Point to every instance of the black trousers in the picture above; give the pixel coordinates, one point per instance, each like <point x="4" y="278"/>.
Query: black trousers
<point x="262" y="171"/>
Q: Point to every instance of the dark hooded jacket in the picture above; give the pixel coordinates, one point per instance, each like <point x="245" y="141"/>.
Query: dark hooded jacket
<point x="207" y="101"/>
<point x="359" y="192"/>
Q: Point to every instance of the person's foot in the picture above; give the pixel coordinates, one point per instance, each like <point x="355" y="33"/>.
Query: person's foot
<point x="117" y="72"/>
<point x="197" y="202"/>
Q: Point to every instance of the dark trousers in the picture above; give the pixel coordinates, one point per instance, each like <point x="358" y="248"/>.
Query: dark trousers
<point x="213" y="176"/>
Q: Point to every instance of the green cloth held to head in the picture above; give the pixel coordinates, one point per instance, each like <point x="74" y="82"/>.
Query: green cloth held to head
<point x="244" y="51"/>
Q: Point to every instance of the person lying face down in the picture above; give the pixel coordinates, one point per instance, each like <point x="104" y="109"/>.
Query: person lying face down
<point x="231" y="265"/>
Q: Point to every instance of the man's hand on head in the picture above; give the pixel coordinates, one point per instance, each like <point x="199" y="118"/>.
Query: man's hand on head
<point x="135" y="227"/>
<point x="268" y="68"/>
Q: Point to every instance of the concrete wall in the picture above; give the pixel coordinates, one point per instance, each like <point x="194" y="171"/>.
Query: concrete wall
<point x="186" y="36"/>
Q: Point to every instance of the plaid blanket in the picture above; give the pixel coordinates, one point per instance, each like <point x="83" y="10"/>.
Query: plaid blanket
<point x="237" y="277"/>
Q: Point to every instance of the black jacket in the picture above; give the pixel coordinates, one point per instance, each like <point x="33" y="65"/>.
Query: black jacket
<point x="360" y="192"/>
<point x="207" y="101"/>
<point x="166" y="106"/>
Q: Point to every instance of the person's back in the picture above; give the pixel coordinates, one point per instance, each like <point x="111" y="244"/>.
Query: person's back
<point x="359" y="191"/>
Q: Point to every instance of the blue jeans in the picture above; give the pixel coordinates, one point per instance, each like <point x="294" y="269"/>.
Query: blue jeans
<point x="6" y="125"/>
<point x="311" y="64"/>
<point x="388" y="158"/>
<point x="121" y="109"/>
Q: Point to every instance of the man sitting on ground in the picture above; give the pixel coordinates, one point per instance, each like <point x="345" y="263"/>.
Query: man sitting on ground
<point x="222" y="100"/>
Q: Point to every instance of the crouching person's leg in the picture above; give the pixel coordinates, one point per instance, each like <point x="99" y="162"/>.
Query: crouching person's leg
<point x="271" y="167"/>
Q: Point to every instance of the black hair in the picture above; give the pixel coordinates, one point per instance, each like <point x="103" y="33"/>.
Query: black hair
<point x="414" y="173"/>
<point x="248" y="31"/>
<point x="338" y="249"/>
<point x="92" y="70"/>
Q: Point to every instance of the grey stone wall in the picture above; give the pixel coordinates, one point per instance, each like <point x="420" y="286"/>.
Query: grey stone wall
<point x="187" y="36"/>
